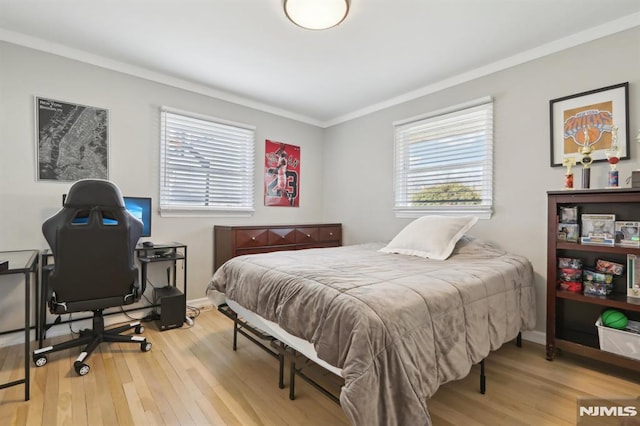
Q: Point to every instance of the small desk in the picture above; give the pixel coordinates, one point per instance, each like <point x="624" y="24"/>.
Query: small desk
<point x="145" y="255"/>
<point x="23" y="262"/>
<point x="170" y="252"/>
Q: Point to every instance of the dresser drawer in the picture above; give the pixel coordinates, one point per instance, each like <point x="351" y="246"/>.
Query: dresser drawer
<point x="330" y="233"/>
<point x="306" y="235"/>
<point x="256" y="250"/>
<point x="248" y="238"/>
<point x="279" y="236"/>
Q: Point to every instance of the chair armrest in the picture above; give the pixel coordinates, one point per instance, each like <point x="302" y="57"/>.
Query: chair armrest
<point x="46" y="272"/>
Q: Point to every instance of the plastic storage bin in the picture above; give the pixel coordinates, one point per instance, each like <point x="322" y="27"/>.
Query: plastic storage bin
<point x="621" y="342"/>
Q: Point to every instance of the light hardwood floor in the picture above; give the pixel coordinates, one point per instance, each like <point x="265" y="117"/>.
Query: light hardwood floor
<point x="193" y="377"/>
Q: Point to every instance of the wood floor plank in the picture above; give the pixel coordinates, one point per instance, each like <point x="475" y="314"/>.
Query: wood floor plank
<point x="141" y="385"/>
<point x="115" y="388"/>
<point x="134" y="404"/>
<point x="64" y="414"/>
<point x="13" y="410"/>
<point x="50" y="403"/>
<point x="164" y="387"/>
<point x="193" y="377"/>
<point x="185" y="405"/>
<point x="8" y="360"/>
<point x="37" y="390"/>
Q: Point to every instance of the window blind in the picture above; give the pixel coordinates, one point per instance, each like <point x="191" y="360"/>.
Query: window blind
<point x="444" y="162"/>
<point x="206" y="164"/>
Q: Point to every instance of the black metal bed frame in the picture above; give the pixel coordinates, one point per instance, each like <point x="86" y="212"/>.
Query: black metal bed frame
<point x="276" y="348"/>
<point x="317" y="373"/>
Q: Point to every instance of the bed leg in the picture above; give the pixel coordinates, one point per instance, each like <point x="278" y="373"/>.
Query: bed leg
<point x="519" y="340"/>
<point x="281" y="371"/>
<point x="483" y="378"/>
<point x="292" y="381"/>
<point x="235" y="332"/>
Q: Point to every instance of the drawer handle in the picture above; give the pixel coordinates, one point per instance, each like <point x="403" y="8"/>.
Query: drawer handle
<point x="331" y="234"/>
<point x="308" y="235"/>
<point x="282" y="236"/>
<point x="253" y="238"/>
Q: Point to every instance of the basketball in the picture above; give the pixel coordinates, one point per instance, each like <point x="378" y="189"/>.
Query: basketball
<point x="614" y="319"/>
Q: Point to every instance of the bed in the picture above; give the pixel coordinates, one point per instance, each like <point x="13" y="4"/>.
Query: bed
<point x="394" y="326"/>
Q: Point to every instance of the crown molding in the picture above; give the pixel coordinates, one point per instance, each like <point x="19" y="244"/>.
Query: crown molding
<point x="144" y="73"/>
<point x="573" y="40"/>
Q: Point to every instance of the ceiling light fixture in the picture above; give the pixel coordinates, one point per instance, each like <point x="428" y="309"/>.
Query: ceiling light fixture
<point x="316" y="14"/>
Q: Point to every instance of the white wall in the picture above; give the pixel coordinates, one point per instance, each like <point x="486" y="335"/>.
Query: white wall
<point x="346" y="169"/>
<point x="359" y="153"/>
<point x="134" y="113"/>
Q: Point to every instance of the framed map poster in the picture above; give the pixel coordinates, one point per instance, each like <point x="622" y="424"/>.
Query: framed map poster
<point x="281" y="174"/>
<point x="72" y="141"/>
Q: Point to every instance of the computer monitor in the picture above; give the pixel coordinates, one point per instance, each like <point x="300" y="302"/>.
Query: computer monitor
<point x="139" y="207"/>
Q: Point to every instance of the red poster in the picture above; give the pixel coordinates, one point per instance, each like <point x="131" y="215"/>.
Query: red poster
<point x="281" y="174"/>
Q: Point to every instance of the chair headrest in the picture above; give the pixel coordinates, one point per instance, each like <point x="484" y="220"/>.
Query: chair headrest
<point x="94" y="192"/>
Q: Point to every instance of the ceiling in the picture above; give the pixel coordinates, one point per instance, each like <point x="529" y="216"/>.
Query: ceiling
<point x="246" y="51"/>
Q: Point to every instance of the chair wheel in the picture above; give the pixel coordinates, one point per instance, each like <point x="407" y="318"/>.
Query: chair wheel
<point x="139" y="329"/>
<point x="40" y="360"/>
<point x="145" y="346"/>
<point x="81" y="368"/>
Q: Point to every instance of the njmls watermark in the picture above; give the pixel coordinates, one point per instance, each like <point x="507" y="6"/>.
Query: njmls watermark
<point x="608" y="411"/>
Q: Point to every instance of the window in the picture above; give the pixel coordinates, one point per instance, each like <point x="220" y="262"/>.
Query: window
<point x="444" y="162"/>
<point x="206" y="164"/>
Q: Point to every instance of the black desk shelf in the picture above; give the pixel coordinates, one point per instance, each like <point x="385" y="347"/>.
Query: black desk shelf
<point x="172" y="313"/>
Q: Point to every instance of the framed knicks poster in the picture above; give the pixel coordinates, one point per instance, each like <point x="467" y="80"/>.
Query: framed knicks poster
<point x="589" y="124"/>
<point x="281" y="174"/>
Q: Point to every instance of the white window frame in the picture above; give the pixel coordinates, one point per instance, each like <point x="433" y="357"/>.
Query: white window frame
<point x="402" y="168"/>
<point x="213" y="139"/>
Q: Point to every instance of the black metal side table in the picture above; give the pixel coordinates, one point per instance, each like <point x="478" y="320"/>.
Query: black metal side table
<point x="23" y="262"/>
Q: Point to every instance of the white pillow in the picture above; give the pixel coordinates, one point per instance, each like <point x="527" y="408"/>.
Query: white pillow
<point x="433" y="237"/>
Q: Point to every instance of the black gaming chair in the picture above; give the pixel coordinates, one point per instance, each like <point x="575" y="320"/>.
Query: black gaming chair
<point x="92" y="239"/>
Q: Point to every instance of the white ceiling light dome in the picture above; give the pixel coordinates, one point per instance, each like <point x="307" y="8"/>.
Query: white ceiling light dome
<point x="316" y="14"/>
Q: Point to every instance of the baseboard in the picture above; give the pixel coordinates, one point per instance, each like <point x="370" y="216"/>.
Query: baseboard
<point x="203" y="302"/>
<point x="535" y="336"/>
<point x="17" y="338"/>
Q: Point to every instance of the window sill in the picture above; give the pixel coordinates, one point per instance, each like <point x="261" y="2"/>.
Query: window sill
<point x="205" y="213"/>
<point x="418" y="212"/>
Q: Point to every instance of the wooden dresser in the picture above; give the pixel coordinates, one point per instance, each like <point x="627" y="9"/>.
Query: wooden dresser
<point x="232" y="241"/>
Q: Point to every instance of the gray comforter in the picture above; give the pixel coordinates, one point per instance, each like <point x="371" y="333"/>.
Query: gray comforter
<point x="399" y="326"/>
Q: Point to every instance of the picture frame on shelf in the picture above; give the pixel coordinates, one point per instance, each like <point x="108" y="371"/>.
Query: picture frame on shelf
<point x="569" y="214"/>
<point x="594" y="113"/>
<point x="568" y="232"/>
